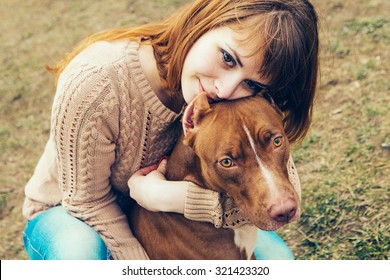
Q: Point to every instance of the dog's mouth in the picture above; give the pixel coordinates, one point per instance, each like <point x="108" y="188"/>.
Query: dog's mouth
<point x="272" y="225"/>
<point x="263" y="220"/>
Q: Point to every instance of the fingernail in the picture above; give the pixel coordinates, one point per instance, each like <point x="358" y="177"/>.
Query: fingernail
<point x="162" y="159"/>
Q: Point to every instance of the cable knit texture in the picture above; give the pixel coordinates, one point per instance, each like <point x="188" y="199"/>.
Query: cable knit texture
<point x="106" y="124"/>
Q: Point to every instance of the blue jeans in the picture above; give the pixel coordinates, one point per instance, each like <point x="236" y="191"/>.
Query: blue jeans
<point x="56" y="235"/>
<point x="270" y="246"/>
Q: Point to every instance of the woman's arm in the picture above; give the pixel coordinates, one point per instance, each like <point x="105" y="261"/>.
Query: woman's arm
<point x="152" y="191"/>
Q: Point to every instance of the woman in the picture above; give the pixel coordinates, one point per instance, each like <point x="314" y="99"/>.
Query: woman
<point x="117" y="110"/>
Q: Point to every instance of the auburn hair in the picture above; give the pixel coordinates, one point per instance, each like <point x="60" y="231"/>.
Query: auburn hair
<point x="285" y="31"/>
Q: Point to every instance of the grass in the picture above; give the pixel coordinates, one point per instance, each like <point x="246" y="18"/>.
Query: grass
<point x="343" y="163"/>
<point x="343" y="167"/>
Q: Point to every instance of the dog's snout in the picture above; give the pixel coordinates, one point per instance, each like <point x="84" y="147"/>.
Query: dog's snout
<point x="283" y="212"/>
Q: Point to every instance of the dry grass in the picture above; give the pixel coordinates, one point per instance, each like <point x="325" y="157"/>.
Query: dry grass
<point x="343" y="167"/>
<point x="36" y="33"/>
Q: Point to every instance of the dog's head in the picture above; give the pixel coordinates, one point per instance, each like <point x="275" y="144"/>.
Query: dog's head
<point x="243" y="152"/>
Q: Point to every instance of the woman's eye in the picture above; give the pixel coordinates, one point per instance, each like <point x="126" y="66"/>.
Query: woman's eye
<point x="278" y="141"/>
<point x="254" y="87"/>
<point x="226" y="162"/>
<point x="228" y="59"/>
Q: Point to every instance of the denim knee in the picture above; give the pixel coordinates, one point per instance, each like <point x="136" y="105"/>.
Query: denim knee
<point x="56" y="235"/>
<point x="269" y="246"/>
<point x="77" y="243"/>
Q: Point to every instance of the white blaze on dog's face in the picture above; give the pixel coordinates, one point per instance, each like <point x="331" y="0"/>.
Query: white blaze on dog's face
<point x="245" y="155"/>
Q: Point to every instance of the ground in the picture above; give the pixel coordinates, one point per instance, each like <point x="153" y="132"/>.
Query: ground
<point x="344" y="161"/>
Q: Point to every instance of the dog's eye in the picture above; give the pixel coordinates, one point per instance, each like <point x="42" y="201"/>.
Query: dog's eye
<point x="226" y="162"/>
<point x="278" y="141"/>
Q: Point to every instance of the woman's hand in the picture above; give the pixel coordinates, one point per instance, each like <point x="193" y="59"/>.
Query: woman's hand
<point x="150" y="189"/>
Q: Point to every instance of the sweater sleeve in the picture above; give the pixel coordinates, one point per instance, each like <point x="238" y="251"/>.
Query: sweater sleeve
<point x="86" y="127"/>
<point x="209" y="206"/>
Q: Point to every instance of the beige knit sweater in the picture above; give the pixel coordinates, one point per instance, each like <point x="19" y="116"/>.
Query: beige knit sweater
<point x="106" y="124"/>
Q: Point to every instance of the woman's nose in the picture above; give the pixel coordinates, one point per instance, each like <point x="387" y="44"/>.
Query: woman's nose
<point x="226" y="87"/>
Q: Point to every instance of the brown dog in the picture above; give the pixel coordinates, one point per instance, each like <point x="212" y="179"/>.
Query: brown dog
<point x="238" y="148"/>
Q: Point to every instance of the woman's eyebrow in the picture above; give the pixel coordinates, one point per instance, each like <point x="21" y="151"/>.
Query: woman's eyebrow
<point x="237" y="57"/>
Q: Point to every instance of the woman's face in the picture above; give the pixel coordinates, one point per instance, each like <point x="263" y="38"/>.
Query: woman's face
<point x="219" y="63"/>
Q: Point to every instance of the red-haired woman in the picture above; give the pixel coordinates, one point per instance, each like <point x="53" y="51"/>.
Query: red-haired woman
<point x="116" y="112"/>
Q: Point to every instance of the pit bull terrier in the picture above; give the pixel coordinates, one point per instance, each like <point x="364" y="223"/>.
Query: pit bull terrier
<point x="237" y="148"/>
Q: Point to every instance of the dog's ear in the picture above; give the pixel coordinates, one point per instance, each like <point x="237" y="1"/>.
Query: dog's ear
<point x="193" y="115"/>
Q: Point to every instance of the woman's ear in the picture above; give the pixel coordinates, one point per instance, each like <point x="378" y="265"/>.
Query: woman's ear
<point x="193" y="115"/>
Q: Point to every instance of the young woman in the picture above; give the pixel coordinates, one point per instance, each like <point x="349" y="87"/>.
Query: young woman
<point x="117" y="112"/>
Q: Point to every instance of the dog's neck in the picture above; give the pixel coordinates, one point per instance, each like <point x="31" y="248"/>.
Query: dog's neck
<point x="187" y="165"/>
<point x="187" y="168"/>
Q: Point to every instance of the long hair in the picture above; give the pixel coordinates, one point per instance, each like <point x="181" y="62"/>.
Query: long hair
<point x="285" y="31"/>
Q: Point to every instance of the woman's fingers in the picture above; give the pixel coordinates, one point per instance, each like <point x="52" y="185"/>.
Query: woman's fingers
<point x="162" y="167"/>
<point x="146" y="170"/>
<point x="146" y="186"/>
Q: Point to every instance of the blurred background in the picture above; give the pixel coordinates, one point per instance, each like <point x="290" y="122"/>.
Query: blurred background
<point x="343" y="163"/>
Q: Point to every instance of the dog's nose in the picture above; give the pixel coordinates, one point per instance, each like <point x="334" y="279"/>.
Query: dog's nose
<point x="284" y="211"/>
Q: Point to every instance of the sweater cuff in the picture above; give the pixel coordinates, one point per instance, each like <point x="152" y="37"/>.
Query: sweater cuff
<point x="203" y="205"/>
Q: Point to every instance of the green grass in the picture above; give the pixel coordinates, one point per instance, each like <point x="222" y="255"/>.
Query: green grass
<point x="342" y="163"/>
<point x="343" y="167"/>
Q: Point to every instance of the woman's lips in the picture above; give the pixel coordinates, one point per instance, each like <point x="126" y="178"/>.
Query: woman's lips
<point x="201" y="88"/>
